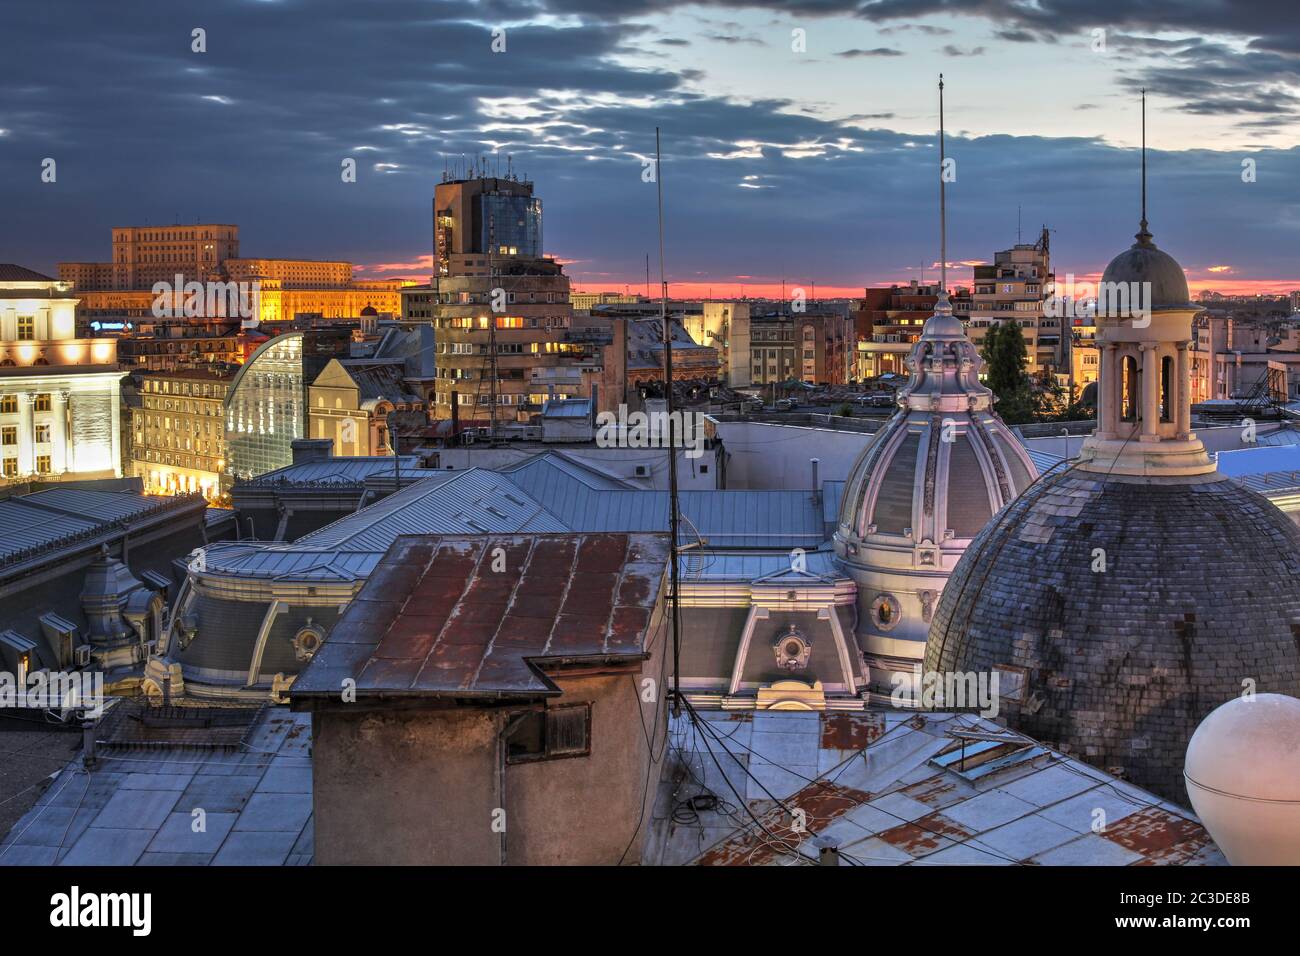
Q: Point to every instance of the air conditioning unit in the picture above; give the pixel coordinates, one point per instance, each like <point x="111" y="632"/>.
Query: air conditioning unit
<point x="81" y="655"/>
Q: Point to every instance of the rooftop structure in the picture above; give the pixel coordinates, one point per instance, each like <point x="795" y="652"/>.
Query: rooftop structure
<point x="898" y="789"/>
<point x="494" y="674"/>
<point x="1120" y="597"/>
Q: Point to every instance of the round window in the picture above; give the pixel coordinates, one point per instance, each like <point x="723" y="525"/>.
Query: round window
<point x="885" y="612"/>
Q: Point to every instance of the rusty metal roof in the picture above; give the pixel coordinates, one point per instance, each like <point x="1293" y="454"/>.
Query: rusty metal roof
<point x="893" y="788"/>
<point x="468" y="616"/>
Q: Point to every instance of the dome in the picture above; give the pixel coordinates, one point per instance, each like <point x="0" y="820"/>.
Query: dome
<point x="920" y="491"/>
<point x="1143" y="262"/>
<point x="1120" y="611"/>
<point x="1243" y="775"/>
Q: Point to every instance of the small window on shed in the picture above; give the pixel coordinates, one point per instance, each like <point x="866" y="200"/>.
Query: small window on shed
<point x="550" y="734"/>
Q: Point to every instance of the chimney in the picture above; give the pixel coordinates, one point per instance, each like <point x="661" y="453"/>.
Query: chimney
<point x="828" y="851"/>
<point x="311" y="449"/>
<point x="816" y="479"/>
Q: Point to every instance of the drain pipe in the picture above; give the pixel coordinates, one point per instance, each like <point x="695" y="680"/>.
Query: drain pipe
<point x="511" y="720"/>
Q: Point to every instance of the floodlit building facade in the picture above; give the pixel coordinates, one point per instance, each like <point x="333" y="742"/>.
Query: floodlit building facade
<point x="59" y="394"/>
<point x="178" y="437"/>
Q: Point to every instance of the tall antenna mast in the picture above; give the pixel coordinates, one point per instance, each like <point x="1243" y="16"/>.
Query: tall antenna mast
<point x="943" y="207"/>
<point x="492" y="338"/>
<point x="1144" y="234"/>
<point x="673" y="515"/>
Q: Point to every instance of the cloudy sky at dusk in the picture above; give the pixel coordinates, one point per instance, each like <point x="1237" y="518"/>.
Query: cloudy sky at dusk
<point x="817" y="166"/>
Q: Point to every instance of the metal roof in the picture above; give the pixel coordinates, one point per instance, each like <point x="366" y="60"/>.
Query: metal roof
<point x="552" y="467"/>
<point x="1255" y="461"/>
<point x="728" y="519"/>
<point x="567" y="408"/>
<point x="747" y="566"/>
<point x="1043" y="461"/>
<point x="136" y="808"/>
<point x="543" y="498"/>
<point x="33" y="523"/>
<point x="447" y="502"/>
<point x="439" y="616"/>
<point x="893" y="788"/>
<point x="336" y="470"/>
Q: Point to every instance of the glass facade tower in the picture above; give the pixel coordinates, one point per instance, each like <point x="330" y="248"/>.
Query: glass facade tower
<point x="265" y="408"/>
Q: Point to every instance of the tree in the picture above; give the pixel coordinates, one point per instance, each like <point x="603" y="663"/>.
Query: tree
<point x="1005" y="362"/>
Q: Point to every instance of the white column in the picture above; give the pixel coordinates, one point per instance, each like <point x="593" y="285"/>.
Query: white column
<point x="1150" y="397"/>
<point x="59" y="437"/>
<point x="26" y="444"/>
<point x="116" y="415"/>
<point x="1107" y="410"/>
<point x="1183" y="410"/>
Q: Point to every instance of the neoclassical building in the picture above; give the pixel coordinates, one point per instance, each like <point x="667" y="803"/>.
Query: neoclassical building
<point x="59" y="394"/>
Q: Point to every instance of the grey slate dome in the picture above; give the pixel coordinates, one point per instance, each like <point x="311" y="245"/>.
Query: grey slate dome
<point x="1142" y="262"/>
<point x="1200" y="592"/>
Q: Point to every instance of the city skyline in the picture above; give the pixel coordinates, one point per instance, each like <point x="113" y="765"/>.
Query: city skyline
<point x="808" y="167"/>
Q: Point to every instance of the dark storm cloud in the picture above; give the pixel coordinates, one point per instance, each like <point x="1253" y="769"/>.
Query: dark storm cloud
<point x="254" y="130"/>
<point x="876" y="51"/>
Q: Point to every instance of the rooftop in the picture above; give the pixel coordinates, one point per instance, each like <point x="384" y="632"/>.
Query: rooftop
<point x="9" y="272"/>
<point x="134" y="808"/>
<point x="901" y="789"/>
<point x="440" y="616"/>
<point x="42" y="522"/>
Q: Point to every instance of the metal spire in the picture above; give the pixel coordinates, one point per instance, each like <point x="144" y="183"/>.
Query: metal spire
<point x="1144" y="235"/>
<point x="943" y="208"/>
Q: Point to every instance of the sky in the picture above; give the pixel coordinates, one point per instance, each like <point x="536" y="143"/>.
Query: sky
<point x="798" y="138"/>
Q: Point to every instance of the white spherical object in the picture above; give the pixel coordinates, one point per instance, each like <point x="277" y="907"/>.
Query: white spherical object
<point x="1243" y="775"/>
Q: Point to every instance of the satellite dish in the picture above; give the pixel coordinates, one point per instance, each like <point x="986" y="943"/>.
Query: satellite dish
<point x="1243" y="775"/>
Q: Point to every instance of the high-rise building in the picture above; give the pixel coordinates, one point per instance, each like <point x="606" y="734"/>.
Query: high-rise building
<point x="60" y="395"/>
<point x="500" y="308"/>
<point x="1015" y="288"/>
<point x="473" y="216"/>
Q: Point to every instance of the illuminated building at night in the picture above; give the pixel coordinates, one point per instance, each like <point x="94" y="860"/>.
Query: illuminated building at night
<point x="145" y="255"/>
<point x="178" y="433"/>
<point x="59" y="394"/>
<point x="487" y="234"/>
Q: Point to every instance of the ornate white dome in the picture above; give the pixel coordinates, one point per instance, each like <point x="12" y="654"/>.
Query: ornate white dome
<point x="924" y="486"/>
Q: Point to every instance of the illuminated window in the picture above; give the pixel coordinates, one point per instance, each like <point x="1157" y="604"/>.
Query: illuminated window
<point x="43" y="401"/>
<point x="42" y="434"/>
<point x="26" y="327"/>
<point x="42" y="464"/>
<point x="11" y="468"/>
<point x="8" y="404"/>
<point x="9" y="435"/>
